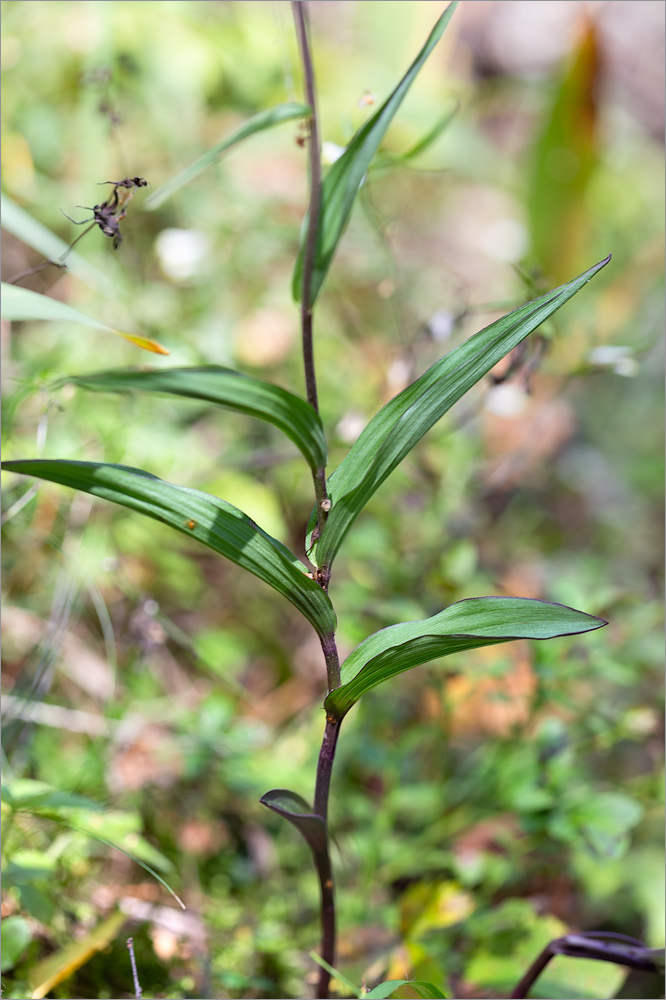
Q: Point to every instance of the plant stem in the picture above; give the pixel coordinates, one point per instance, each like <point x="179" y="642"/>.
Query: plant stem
<point x="300" y="11"/>
<point x="327" y="752"/>
<point x="323" y="859"/>
<point x="323" y="863"/>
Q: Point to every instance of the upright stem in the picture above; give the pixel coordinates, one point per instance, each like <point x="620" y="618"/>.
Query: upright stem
<point x="327" y="753"/>
<point x="301" y="20"/>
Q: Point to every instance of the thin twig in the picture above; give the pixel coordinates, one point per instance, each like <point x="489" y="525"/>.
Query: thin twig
<point x="135" y="975"/>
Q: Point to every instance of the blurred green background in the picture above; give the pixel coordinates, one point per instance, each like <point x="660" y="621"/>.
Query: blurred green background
<point x="480" y="806"/>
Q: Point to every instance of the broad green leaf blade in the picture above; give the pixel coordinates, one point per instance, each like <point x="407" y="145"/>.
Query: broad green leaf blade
<point x="477" y="621"/>
<point x="409" y="988"/>
<point x="21" y="224"/>
<point x="231" y="389"/>
<point x="299" y="813"/>
<point x="217" y="524"/>
<point x="22" y="304"/>
<point x="393" y="432"/>
<point x="259" y="123"/>
<point x="345" y="178"/>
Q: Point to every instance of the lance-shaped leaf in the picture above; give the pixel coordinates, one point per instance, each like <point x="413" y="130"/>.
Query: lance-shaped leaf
<point x="393" y="432"/>
<point x="231" y="389"/>
<point x="294" y="808"/>
<point x="22" y="304"/>
<point x="477" y="621"/>
<point x="346" y="176"/>
<point x="259" y="123"/>
<point x="217" y="524"/>
<point x="21" y="224"/>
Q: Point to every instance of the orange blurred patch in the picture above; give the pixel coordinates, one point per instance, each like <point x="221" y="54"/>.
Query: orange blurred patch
<point x="482" y="703"/>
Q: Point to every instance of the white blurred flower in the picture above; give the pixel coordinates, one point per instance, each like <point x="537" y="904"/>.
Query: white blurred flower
<point x="506" y="400"/>
<point x="614" y="356"/>
<point x="505" y="239"/>
<point x="330" y="152"/>
<point x="181" y="251"/>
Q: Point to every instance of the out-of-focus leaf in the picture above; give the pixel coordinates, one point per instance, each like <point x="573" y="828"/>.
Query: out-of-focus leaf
<point x="391" y="160"/>
<point x="407" y="989"/>
<point x="418" y="990"/>
<point x="393" y="432"/>
<point x="603" y="821"/>
<point x="225" y="387"/>
<point x="15" y="935"/>
<point x="217" y="524"/>
<point x="23" y="304"/>
<point x="53" y="970"/>
<point x="345" y="178"/>
<point x="478" y="621"/>
<point x="640" y="985"/>
<point x="21" y="224"/>
<point x="336" y="974"/>
<point x="259" y="123"/>
<point x="26" y="794"/>
<point x="565" y="158"/>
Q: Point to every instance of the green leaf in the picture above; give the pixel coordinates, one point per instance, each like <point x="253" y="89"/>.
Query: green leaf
<point x="217" y="524"/>
<point x="294" y="808"/>
<point x="25" y="793"/>
<point x="21" y="224"/>
<point x="15" y="935"/>
<point x="477" y="621"/>
<point x="387" y="161"/>
<point x="259" y="123"/>
<point x="225" y="387"/>
<point x="407" y="989"/>
<point x="22" y="304"/>
<point x="393" y="432"/>
<point x="347" y="175"/>
<point x="51" y="971"/>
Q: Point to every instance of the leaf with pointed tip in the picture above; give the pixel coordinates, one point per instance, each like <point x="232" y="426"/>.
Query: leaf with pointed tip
<point x="259" y="123"/>
<point x="347" y="175"/>
<point x="217" y="524"/>
<point x="476" y="621"/>
<point x="225" y="387"/>
<point x="294" y="808"/>
<point x="393" y="432"/>
<point x="21" y="224"/>
<point x="22" y="304"/>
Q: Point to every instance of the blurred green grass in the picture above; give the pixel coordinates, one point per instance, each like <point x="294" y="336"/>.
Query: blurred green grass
<point x="555" y="494"/>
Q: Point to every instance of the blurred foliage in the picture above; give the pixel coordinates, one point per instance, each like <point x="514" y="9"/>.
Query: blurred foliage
<point x="476" y="820"/>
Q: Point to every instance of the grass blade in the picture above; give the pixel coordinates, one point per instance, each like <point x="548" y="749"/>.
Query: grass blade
<point x="393" y="432"/>
<point x="477" y="621"/>
<point x="22" y="304"/>
<point x="212" y="521"/>
<point x="345" y="178"/>
<point x="230" y="389"/>
<point x="259" y="123"/>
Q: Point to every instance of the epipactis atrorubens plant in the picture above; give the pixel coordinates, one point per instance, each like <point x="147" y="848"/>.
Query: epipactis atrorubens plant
<point x="339" y="498"/>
